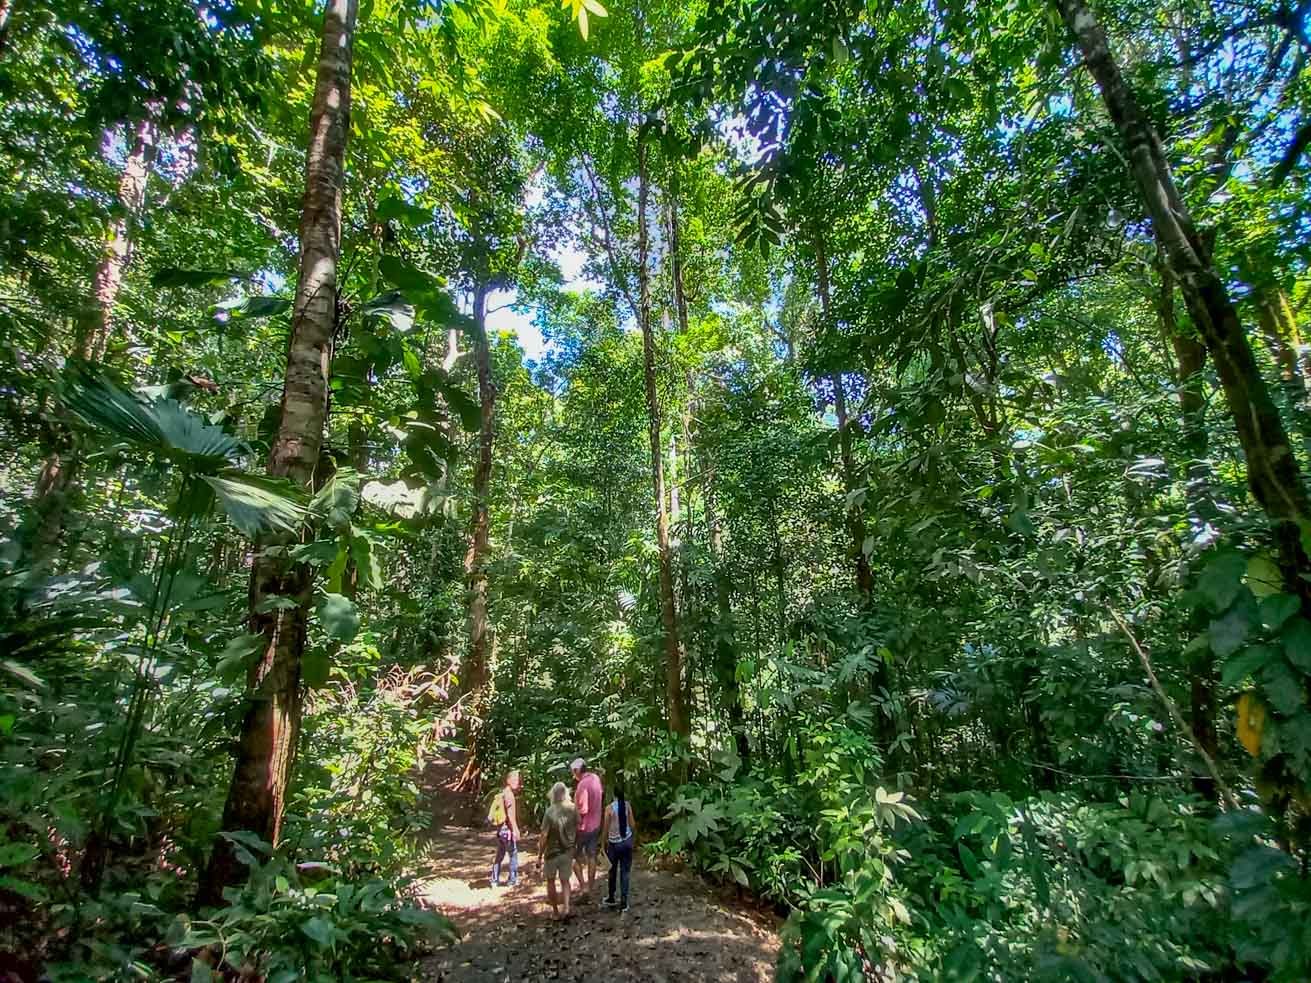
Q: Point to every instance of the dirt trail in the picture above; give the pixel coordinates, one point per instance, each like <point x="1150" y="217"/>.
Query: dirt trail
<point x="677" y="931"/>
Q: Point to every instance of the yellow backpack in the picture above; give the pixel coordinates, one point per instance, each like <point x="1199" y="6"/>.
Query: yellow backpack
<point x="496" y="809"/>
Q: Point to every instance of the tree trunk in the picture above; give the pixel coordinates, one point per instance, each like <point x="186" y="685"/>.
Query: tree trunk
<point x="271" y="726"/>
<point x="678" y="722"/>
<point x="1279" y="329"/>
<point x="61" y="470"/>
<point x="94" y="326"/>
<point x="475" y="674"/>
<point x="1190" y="357"/>
<point x="855" y="512"/>
<point x="1272" y="471"/>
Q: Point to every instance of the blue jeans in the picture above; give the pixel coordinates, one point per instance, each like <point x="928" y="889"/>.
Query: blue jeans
<point x="621" y="863"/>
<point x="505" y="845"/>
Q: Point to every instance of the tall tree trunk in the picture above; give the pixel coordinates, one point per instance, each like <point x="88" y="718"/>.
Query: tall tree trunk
<point x="855" y="512"/>
<point x="61" y="470"/>
<point x="1279" y="328"/>
<point x="271" y="726"/>
<point x="725" y="630"/>
<point x="678" y="722"/>
<point x="1272" y="471"/>
<point x="475" y="674"/>
<point x="1190" y="357"/>
<point x="95" y="324"/>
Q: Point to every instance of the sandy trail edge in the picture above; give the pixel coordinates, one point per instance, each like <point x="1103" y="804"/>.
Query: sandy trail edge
<point x="679" y="928"/>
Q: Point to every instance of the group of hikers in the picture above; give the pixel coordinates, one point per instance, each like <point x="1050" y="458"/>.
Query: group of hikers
<point x="572" y="831"/>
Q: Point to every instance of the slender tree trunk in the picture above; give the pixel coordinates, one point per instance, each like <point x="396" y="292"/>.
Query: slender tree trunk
<point x="1190" y="357"/>
<point x="269" y="731"/>
<point x="1279" y="329"/>
<point x="678" y="722"/>
<point x="855" y="512"/>
<point x="1272" y="471"/>
<point x="61" y="471"/>
<point x="95" y="325"/>
<point x="475" y="674"/>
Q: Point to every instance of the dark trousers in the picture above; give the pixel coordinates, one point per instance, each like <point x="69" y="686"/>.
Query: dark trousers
<point x="621" y="863"/>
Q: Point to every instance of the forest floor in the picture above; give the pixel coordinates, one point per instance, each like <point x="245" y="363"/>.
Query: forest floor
<point x="678" y="930"/>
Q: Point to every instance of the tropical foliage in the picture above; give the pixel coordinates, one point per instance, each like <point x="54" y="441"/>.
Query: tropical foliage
<point x="876" y="432"/>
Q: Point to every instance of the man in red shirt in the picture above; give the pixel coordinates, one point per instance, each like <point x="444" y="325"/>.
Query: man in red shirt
<point x="591" y="807"/>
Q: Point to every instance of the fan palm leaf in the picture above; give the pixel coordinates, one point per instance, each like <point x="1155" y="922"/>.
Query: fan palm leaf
<point x="162" y="426"/>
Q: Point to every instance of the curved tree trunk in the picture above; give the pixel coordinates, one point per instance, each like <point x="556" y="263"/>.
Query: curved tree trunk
<point x="678" y="722"/>
<point x="1272" y="471"/>
<point x="475" y="674"/>
<point x="269" y="731"/>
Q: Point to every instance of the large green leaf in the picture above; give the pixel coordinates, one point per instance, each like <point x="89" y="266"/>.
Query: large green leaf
<point x="464" y="406"/>
<point x="392" y="307"/>
<point x="339" y="617"/>
<point x="163" y="426"/>
<point x="337" y="500"/>
<point x="257" y="504"/>
<point x="405" y="276"/>
<point x="252" y="307"/>
<point x="172" y="276"/>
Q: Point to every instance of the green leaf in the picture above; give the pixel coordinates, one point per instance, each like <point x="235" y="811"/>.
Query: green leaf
<point x="234" y="660"/>
<point x="338" y="499"/>
<point x="201" y="972"/>
<point x="1278" y="608"/>
<point x="1263" y="577"/>
<point x="366" y="562"/>
<point x="17" y="854"/>
<point x="315" y="668"/>
<point x="172" y="276"/>
<point x="1282" y="687"/>
<point x="320" y="930"/>
<point x="394" y="208"/>
<point x="392" y="307"/>
<point x="464" y="406"/>
<point x="407" y="277"/>
<point x="1228" y="632"/>
<point x="252" y="307"/>
<point x="256" y="504"/>
<point x="1296" y="638"/>
<point x="164" y="426"/>
<point x="337" y="569"/>
<point x="1247" y="663"/>
<point x="339" y="617"/>
<point x="1221" y="580"/>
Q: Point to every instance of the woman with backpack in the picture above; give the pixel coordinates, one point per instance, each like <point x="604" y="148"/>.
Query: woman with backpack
<point x="503" y="815"/>
<point x="617" y="831"/>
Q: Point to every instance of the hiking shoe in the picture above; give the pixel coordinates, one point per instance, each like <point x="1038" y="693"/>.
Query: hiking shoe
<point x="624" y="909"/>
<point x="609" y="902"/>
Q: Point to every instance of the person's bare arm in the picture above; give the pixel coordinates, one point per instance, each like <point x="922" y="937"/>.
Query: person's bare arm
<point x="605" y="827"/>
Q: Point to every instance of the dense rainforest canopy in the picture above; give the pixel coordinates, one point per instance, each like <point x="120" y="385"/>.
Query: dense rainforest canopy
<point x="875" y="432"/>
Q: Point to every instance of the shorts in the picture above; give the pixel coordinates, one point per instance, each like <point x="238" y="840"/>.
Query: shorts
<point x="561" y="865"/>
<point x="588" y="844"/>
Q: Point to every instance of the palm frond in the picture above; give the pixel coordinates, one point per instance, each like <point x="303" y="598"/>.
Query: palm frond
<point x="163" y="426"/>
<point x="256" y="504"/>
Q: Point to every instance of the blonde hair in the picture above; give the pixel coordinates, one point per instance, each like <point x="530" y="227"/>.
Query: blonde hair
<point x="559" y="793"/>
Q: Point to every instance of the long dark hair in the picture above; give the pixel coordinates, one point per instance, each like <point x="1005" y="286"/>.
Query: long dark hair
<point x="621" y="806"/>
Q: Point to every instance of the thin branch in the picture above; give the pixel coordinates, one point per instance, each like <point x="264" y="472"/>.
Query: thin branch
<point x="607" y="237"/>
<point x="1229" y="798"/>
